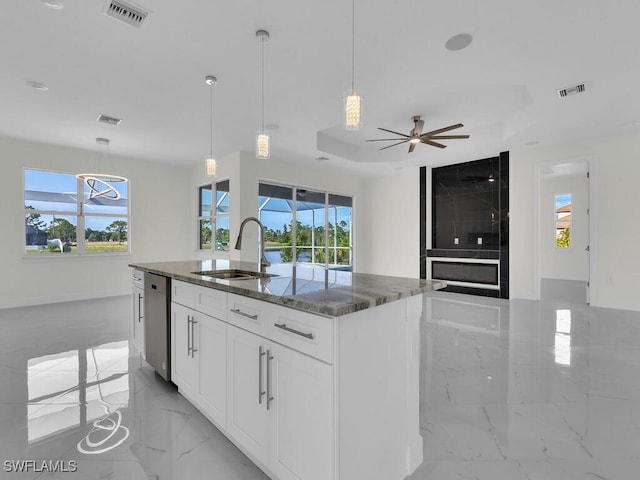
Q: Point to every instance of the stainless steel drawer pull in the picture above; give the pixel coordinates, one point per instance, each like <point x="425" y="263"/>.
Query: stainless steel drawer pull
<point x="240" y="312"/>
<point x="283" y="326"/>
<point x="270" y="397"/>
<point x="261" y="353"/>
<point x="193" y="348"/>
<point x="189" y="335"/>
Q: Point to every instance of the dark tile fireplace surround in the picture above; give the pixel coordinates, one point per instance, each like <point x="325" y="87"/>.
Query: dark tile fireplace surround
<point x="470" y="226"/>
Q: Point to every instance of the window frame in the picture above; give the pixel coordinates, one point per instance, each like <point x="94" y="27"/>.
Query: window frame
<point x="80" y="215"/>
<point x="330" y="250"/>
<point x="557" y="218"/>
<point x="213" y="216"/>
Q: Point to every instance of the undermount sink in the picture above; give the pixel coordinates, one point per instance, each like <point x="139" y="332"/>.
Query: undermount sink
<point x="234" y="274"/>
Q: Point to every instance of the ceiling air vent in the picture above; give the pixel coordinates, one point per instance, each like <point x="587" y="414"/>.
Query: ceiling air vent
<point x="109" y="120"/>
<point x="565" y="92"/>
<point x="126" y="12"/>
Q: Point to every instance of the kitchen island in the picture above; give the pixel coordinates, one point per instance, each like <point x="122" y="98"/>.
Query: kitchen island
<point x="312" y="373"/>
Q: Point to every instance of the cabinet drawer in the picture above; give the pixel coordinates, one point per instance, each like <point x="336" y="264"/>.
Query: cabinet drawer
<point x="249" y="314"/>
<point x="211" y="302"/>
<point x="137" y="278"/>
<point x="183" y="293"/>
<point x="307" y="333"/>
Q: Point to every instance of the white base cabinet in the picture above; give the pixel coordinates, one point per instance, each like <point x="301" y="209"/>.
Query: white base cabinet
<point x="280" y="407"/>
<point x="306" y="397"/>
<point x="137" y="295"/>
<point x="199" y="359"/>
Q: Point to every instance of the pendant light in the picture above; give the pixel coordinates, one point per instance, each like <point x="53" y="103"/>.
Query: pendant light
<point x="211" y="162"/>
<point x="100" y="185"/>
<point x="353" y="101"/>
<point x="262" y="139"/>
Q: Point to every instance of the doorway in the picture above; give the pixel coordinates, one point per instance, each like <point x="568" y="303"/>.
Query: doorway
<point x="563" y="231"/>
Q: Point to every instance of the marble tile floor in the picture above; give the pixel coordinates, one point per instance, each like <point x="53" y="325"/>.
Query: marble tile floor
<point x="509" y="390"/>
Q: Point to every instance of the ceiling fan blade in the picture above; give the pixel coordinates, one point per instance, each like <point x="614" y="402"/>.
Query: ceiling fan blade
<point x="447" y="137"/>
<point x="395" y="133"/>
<point x="383" y="139"/>
<point x="412" y="147"/>
<point x="441" y="130"/>
<point x="433" y="144"/>
<point x="389" y="146"/>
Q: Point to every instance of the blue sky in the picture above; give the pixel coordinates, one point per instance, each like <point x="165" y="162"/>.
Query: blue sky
<point x="562" y="200"/>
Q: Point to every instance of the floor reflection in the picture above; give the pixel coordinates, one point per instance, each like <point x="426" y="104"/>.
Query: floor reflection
<point x="70" y="389"/>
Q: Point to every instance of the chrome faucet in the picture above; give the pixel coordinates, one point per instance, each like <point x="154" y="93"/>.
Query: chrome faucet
<point x="264" y="263"/>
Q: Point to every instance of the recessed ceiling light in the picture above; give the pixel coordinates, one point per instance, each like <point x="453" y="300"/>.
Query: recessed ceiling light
<point x="458" y="42"/>
<point x="532" y="143"/>
<point x="322" y="159"/>
<point x="272" y="126"/>
<point x="37" y="85"/>
<point x="53" y="4"/>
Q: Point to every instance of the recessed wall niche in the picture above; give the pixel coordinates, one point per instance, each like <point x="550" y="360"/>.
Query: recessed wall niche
<point x="469" y="206"/>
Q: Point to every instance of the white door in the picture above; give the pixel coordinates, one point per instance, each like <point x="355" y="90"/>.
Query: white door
<point x="212" y="367"/>
<point x="183" y="365"/>
<point x="247" y="418"/>
<point x="304" y="420"/>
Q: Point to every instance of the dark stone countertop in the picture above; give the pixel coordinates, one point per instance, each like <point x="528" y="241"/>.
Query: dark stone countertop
<point x="310" y="289"/>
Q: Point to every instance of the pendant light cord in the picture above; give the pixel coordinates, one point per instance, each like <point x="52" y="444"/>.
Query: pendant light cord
<point x="262" y="85"/>
<point x="211" y="121"/>
<point x="353" y="44"/>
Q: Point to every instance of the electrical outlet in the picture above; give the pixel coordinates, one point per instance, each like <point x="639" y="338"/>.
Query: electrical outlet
<point x="479" y="240"/>
<point x="456" y="241"/>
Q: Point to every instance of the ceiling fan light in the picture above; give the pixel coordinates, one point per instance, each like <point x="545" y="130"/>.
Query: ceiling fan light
<point x="262" y="146"/>
<point x="352" y="111"/>
<point x="211" y="167"/>
<point x="414" y="140"/>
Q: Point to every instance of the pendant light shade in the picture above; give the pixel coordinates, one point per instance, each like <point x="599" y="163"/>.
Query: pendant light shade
<point x="352" y="111"/>
<point x="211" y="167"/>
<point x="211" y="162"/>
<point x="262" y="139"/>
<point x="353" y="101"/>
<point x="262" y="146"/>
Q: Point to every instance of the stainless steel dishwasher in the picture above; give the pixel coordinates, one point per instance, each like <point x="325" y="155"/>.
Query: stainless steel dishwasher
<point x="157" y="323"/>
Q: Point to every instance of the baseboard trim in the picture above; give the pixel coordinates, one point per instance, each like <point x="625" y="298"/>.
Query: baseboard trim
<point x="72" y="297"/>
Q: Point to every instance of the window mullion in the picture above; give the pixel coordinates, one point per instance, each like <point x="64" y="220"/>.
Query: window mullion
<point x="80" y="229"/>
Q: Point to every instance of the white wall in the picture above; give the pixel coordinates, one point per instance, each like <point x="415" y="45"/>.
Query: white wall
<point x="615" y="258"/>
<point x="159" y="228"/>
<point x="245" y="172"/>
<point x="570" y="263"/>
<point x="390" y="225"/>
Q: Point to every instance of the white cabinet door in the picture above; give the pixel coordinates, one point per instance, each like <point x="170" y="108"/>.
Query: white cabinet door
<point x="247" y="416"/>
<point x="183" y="364"/>
<point x="138" y="318"/>
<point x="302" y="406"/>
<point x="211" y="357"/>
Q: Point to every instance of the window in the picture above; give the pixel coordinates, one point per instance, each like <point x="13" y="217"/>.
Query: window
<point x="563" y="220"/>
<point x="218" y="217"/>
<point x="321" y="233"/>
<point x="59" y="207"/>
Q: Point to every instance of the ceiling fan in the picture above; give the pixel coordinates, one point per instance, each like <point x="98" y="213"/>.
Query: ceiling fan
<point x="416" y="136"/>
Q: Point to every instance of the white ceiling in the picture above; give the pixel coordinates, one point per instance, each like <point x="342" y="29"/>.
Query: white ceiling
<point x="502" y="87"/>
